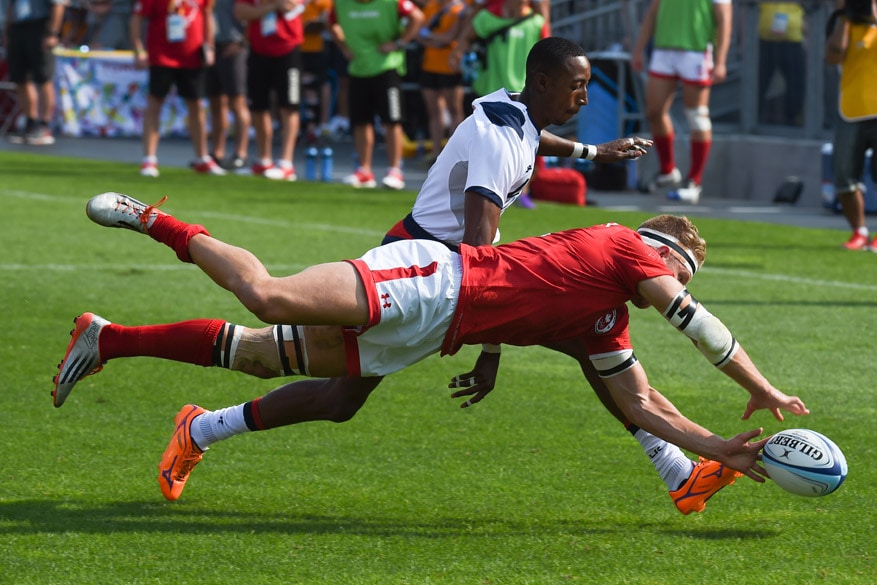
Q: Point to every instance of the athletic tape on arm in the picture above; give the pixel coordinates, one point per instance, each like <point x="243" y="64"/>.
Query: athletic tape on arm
<point x="612" y="364"/>
<point x="710" y="335"/>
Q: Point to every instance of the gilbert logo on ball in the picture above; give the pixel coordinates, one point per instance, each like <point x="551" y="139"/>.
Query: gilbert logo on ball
<point x="804" y="462"/>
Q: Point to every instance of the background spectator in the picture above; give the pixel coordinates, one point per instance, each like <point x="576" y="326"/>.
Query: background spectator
<point x="179" y="44"/>
<point x="441" y="83"/>
<point x="227" y="89"/>
<point x="781" y="29"/>
<point x="274" y="30"/>
<point x="852" y="43"/>
<point x="373" y="40"/>
<point x="33" y="29"/>
<point x="315" y="63"/>
<point x="690" y="44"/>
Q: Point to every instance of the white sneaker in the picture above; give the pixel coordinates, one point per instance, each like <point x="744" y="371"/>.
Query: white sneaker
<point x="149" y="169"/>
<point x="121" y="211"/>
<point x="82" y="358"/>
<point x="394" y="180"/>
<point x="690" y="193"/>
<point x="668" y="181"/>
<point x="278" y="173"/>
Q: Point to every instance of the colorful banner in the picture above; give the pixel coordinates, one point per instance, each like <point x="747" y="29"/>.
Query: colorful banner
<point x="100" y="93"/>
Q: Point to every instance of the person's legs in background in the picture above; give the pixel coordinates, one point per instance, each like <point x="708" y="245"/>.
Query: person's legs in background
<point x="660" y="93"/>
<point x="848" y="165"/>
<point x="362" y="114"/>
<point x="190" y="87"/>
<point x="288" y="90"/>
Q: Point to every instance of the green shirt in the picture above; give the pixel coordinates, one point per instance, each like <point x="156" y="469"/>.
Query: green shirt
<point x="685" y="24"/>
<point x="366" y="26"/>
<point x="506" y="53"/>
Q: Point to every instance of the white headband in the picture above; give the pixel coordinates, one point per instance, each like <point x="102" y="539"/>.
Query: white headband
<point x="655" y="239"/>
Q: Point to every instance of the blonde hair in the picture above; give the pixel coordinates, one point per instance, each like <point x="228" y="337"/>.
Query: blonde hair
<point x="681" y="228"/>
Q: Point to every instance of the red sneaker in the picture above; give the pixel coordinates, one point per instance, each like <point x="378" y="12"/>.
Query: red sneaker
<point x="361" y="178"/>
<point x="260" y="169"/>
<point x="208" y="167"/>
<point x="857" y="242"/>
<point x="280" y="173"/>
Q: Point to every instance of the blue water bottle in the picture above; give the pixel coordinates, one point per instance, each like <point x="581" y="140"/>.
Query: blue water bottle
<point x="828" y="196"/>
<point x="311" y="163"/>
<point x="326" y="164"/>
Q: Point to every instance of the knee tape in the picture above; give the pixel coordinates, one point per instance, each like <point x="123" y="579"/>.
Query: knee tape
<point x="698" y="119"/>
<point x="284" y="333"/>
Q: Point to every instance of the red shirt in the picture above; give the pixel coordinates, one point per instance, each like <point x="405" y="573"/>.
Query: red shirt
<point x="182" y="54"/>
<point x="288" y="35"/>
<point x="567" y="285"/>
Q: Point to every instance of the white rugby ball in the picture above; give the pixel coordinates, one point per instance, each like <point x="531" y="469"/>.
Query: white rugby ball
<point x="804" y="462"/>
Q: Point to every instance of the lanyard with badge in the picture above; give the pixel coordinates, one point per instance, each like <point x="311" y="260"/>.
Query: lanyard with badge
<point x="268" y="23"/>
<point x="779" y="24"/>
<point x="176" y="22"/>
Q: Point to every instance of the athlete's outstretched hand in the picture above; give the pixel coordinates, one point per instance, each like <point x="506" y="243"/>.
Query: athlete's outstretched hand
<point x="479" y="381"/>
<point x="622" y="149"/>
<point x="743" y="454"/>
<point x="774" y="400"/>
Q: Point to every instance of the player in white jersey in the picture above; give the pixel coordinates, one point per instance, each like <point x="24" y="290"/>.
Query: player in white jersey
<point x="491" y="152"/>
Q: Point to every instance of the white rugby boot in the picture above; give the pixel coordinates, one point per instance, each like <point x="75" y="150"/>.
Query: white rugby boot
<point x="122" y="211"/>
<point x="82" y="358"/>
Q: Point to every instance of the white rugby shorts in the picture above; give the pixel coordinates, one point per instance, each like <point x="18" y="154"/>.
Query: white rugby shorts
<point x="688" y="66"/>
<point x="412" y="288"/>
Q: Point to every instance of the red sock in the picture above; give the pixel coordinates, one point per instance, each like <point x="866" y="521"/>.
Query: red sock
<point x="176" y="234"/>
<point x="189" y="342"/>
<point x="700" y="151"/>
<point x="666" y="156"/>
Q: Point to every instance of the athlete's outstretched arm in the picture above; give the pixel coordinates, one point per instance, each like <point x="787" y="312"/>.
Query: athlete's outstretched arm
<point x="717" y="344"/>
<point x="648" y="409"/>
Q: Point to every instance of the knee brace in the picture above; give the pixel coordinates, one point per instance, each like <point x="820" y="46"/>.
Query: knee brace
<point x="698" y="119"/>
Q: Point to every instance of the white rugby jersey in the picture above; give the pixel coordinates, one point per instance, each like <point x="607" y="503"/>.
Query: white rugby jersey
<point x="491" y="152"/>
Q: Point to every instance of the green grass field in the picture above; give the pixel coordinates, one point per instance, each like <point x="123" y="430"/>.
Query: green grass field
<point x="537" y="484"/>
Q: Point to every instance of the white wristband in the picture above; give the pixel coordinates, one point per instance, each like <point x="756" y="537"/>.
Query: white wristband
<point x="585" y="151"/>
<point x="491" y="348"/>
<point x="592" y="152"/>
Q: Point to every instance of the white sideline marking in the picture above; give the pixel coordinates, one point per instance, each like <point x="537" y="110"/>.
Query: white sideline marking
<point x="792" y="279"/>
<point x="319" y="227"/>
<point x="359" y="231"/>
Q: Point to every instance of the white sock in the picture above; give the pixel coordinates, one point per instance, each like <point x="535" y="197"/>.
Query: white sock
<point x="218" y="425"/>
<point x="862" y="231"/>
<point x="151" y="159"/>
<point x="669" y="460"/>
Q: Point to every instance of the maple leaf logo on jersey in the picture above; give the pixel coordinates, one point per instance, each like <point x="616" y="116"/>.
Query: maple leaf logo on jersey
<point x="605" y="323"/>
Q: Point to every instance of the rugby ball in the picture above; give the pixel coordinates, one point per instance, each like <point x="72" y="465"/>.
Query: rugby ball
<point x="804" y="462"/>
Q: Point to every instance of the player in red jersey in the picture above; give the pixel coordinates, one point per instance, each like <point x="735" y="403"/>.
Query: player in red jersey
<point x="179" y="46"/>
<point x="409" y="299"/>
<point x="275" y="33"/>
